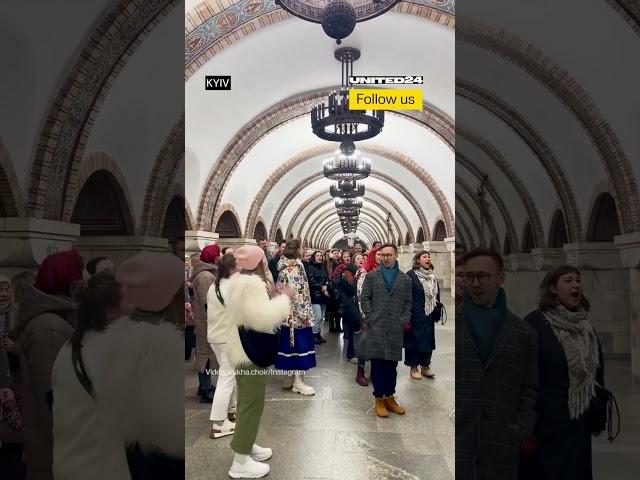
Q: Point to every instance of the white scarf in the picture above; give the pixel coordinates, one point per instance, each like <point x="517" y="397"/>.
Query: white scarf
<point x="430" y="287"/>
<point x="580" y="344"/>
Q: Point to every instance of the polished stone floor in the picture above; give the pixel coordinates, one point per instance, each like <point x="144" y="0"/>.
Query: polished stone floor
<point x="335" y="434"/>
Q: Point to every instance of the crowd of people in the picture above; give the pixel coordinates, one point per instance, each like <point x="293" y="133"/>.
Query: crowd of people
<point x="88" y="349"/>
<point x="380" y="310"/>
<point x="530" y="393"/>
<point x="87" y="353"/>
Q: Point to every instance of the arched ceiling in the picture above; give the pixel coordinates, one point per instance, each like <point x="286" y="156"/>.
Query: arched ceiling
<point x="568" y="137"/>
<point x="291" y="67"/>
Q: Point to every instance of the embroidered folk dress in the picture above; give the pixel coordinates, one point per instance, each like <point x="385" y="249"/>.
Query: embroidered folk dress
<point x="297" y="349"/>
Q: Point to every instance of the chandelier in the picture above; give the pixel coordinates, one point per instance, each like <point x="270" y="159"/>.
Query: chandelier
<point x="348" y="212"/>
<point x="347" y="167"/>
<point x="335" y="122"/>
<point x="337" y="17"/>
<point x="347" y="189"/>
<point x="348" y="203"/>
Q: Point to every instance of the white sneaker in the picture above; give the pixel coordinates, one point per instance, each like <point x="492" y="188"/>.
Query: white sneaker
<point x="227" y="428"/>
<point x="261" y="454"/>
<point x="353" y="360"/>
<point x="249" y="469"/>
<point x="300" y="387"/>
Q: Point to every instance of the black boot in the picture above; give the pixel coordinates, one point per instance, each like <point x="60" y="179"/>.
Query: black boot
<point x="317" y="339"/>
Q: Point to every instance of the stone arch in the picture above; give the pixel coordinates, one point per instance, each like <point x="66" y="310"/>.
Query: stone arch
<point x="101" y="207"/>
<point x="305" y="203"/>
<point x="297" y="160"/>
<point x="420" y="236"/>
<point x="163" y="175"/>
<point x="204" y="40"/>
<point x="464" y="207"/>
<point x="528" y="242"/>
<point x="506" y="246"/>
<point x="493" y="231"/>
<point x="388" y="179"/>
<point x="628" y="11"/>
<point x="603" y="223"/>
<point x="279" y="238"/>
<point x="288" y="111"/>
<point x="12" y="203"/>
<point x="92" y="163"/>
<point x="511" y="117"/>
<point x="366" y="218"/>
<point x="496" y="156"/>
<point x="260" y="231"/>
<point x="439" y="232"/>
<point x="175" y="219"/>
<point x="188" y="218"/>
<point x="323" y="239"/>
<point x="558" y="230"/>
<point x="228" y="226"/>
<point x="74" y="109"/>
<point x="568" y="91"/>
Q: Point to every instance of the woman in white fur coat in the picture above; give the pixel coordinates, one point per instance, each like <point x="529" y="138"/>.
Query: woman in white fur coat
<point x="248" y="309"/>
<point x="118" y="384"/>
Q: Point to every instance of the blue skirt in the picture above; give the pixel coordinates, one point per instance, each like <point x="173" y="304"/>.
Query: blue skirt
<point x="302" y="356"/>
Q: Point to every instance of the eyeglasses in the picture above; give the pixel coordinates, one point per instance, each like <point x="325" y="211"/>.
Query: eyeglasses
<point x="482" y="277"/>
<point x="387" y="255"/>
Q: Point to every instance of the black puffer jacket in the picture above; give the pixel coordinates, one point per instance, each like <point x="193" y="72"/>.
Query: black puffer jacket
<point x="317" y="278"/>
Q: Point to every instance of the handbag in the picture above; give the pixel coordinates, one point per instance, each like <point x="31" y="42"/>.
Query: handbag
<point x="260" y="347"/>
<point x="600" y="416"/>
<point x="360" y="344"/>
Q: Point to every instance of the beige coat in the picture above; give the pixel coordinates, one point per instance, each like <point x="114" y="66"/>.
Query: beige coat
<point x="202" y="278"/>
<point x="45" y="323"/>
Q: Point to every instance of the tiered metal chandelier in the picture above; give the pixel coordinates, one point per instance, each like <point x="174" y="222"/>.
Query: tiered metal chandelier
<point x="334" y="121"/>
<point x="347" y="167"/>
<point x="347" y="189"/>
<point x="348" y="203"/>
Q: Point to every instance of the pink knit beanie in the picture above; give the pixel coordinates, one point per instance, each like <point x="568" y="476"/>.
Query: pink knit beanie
<point x="248" y="257"/>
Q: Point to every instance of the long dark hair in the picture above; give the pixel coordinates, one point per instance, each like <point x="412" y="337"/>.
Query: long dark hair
<point x="313" y="257"/>
<point x="226" y="266"/>
<point x="101" y="293"/>
<point x="548" y="300"/>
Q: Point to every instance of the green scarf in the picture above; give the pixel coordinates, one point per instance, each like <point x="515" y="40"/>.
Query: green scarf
<point x="484" y="322"/>
<point x="389" y="274"/>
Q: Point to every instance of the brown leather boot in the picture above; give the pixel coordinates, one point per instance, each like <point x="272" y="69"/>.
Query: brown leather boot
<point x="426" y="372"/>
<point x="391" y="404"/>
<point x="381" y="410"/>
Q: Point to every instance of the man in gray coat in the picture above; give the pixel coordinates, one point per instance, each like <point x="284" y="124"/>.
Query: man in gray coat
<point x="496" y="374"/>
<point x="386" y="306"/>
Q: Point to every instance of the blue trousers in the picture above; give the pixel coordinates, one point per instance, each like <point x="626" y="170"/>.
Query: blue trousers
<point x="383" y="376"/>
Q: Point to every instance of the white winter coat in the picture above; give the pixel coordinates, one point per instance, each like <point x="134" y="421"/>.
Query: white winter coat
<point x="247" y="304"/>
<point x="137" y="371"/>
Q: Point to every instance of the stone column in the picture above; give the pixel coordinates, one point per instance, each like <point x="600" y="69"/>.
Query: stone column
<point x="629" y="248"/>
<point x="450" y="244"/>
<point x="235" y="242"/>
<point x="25" y="242"/>
<point x="606" y="283"/>
<point x="441" y="260"/>
<point x="196" y="240"/>
<point x="119" y="248"/>
<point x="521" y="285"/>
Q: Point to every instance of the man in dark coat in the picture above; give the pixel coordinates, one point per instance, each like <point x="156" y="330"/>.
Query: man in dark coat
<point x="273" y="263"/>
<point x="386" y="306"/>
<point x="496" y="375"/>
